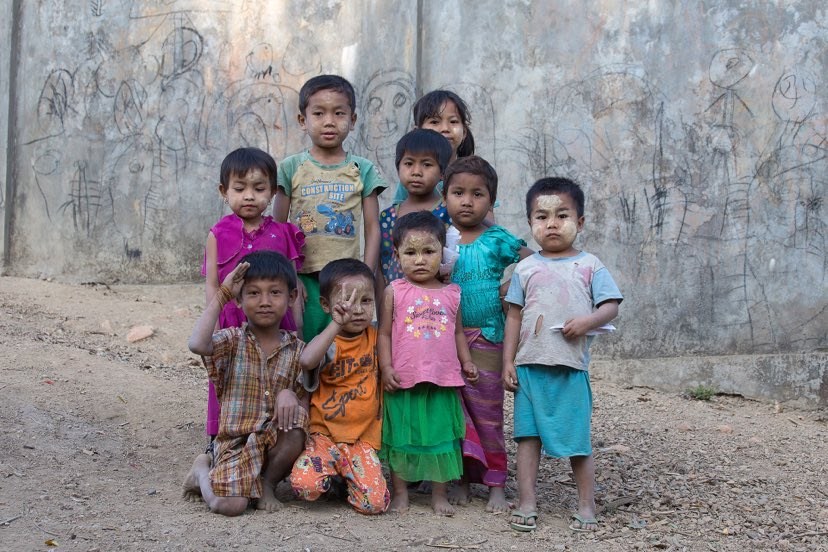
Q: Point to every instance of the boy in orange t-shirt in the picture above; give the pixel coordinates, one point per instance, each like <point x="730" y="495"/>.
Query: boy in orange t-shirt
<point x="346" y="409"/>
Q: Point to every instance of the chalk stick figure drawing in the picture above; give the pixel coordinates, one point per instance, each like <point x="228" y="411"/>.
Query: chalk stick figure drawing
<point x="788" y="218"/>
<point x="728" y="69"/>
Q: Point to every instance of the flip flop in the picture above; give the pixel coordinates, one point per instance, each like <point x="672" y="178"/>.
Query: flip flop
<point x="524" y="527"/>
<point x="581" y="522"/>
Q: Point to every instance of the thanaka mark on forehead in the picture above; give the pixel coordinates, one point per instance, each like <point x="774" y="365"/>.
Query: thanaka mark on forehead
<point x="548" y="202"/>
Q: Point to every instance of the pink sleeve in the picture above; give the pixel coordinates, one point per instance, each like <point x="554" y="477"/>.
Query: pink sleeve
<point x="294" y="243"/>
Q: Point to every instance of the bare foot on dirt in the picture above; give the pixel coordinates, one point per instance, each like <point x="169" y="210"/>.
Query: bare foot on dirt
<point x="497" y="501"/>
<point x="399" y="503"/>
<point x="459" y="494"/>
<point x="191" y="489"/>
<point x="439" y="500"/>
<point x="268" y="501"/>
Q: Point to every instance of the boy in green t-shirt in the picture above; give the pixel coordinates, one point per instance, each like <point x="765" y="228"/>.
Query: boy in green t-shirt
<point x="328" y="193"/>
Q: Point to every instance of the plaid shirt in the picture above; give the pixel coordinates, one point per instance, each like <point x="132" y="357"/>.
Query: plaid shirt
<point x="246" y="386"/>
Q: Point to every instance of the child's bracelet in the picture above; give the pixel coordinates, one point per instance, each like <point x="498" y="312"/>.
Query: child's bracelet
<point x="224" y="295"/>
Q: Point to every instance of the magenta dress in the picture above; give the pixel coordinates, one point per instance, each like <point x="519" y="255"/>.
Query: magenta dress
<point x="232" y="244"/>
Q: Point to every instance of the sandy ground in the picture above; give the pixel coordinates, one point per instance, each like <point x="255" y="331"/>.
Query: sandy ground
<point x="98" y="434"/>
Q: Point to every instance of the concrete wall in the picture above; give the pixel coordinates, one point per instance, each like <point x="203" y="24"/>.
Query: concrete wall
<point x="698" y="129"/>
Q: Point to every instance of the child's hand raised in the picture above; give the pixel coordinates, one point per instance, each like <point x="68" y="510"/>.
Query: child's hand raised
<point x="342" y="311"/>
<point x="470" y="371"/>
<point x="235" y="279"/>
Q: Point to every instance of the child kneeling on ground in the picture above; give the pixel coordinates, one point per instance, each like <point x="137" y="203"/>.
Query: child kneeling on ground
<point x="346" y="409"/>
<point x="256" y="374"/>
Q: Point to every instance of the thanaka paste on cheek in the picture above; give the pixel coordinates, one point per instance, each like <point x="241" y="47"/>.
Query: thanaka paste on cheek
<point x="419" y="241"/>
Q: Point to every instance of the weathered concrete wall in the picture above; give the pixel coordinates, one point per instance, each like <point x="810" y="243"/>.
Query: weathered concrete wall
<point x="6" y="25"/>
<point x="698" y="129"/>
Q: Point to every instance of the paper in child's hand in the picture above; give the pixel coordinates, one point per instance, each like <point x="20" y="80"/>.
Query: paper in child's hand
<point x="605" y="329"/>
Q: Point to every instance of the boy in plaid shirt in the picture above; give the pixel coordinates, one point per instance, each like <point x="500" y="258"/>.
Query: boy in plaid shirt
<point x="255" y="370"/>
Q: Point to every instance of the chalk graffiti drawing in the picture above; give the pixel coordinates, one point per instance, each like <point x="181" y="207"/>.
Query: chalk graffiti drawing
<point x="384" y="116"/>
<point x="788" y="218"/>
<point x="55" y="104"/>
<point x="96" y="7"/>
<point x="728" y="70"/>
<point x="44" y="166"/>
<point x="302" y="57"/>
<point x="259" y="61"/>
<point x="84" y="199"/>
<point x="144" y="9"/>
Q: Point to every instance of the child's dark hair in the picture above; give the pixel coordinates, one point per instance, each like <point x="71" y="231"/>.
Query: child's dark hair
<point x="243" y="160"/>
<point x="431" y="104"/>
<point x="424" y="221"/>
<point x="425" y="141"/>
<point x="326" y="82"/>
<point x="334" y="271"/>
<point x="472" y="165"/>
<point x="554" y="185"/>
<point x="269" y="265"/>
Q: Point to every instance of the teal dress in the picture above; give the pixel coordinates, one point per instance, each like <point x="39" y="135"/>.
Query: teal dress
<point x="478" y="272"/>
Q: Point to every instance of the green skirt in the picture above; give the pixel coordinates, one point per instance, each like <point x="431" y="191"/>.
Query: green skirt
<point x="421" y="432"/>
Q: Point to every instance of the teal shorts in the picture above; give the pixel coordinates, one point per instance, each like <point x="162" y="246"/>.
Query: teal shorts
<point x="554" y="403"/>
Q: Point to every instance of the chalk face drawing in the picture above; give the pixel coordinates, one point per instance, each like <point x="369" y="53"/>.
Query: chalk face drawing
<point x="385" y="116"/>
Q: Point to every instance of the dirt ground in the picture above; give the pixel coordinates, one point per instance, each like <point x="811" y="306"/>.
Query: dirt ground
<point x="100" y="432"/>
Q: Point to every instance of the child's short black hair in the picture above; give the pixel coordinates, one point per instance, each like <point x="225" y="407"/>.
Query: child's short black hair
<point x="472" y="165"/>
<point x="425" y="141"/>
<point x="243" y="160"/>
<point x="269" y="265"/>
<point x="429" y="106"/>
<point x="424" y="221"/>
<point x="326" y="82"/>
<point x="555" y="185"/>
<point x="334" y="271"/>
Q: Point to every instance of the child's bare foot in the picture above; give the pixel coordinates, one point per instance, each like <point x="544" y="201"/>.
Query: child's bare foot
<point x="439" y="500"/>
<point x="191" y="489"/>
<point x="459" y="494"/>
<point x="268" y="501"/>
<point x="399" y="503"/>
<point x="497" y="501"/>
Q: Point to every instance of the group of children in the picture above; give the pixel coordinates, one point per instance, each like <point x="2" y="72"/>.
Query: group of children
<point x="305" y="386"/>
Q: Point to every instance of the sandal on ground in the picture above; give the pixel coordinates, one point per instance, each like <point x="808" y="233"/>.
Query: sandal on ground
<point x="581" y="523"/>
<point x="524" y="526"/>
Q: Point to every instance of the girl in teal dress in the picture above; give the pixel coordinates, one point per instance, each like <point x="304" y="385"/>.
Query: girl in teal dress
<point x="484" y="254"/>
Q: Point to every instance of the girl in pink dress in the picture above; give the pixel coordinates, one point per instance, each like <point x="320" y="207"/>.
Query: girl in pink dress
<point x="423" y="359"/>
<point x="247" y="184"/>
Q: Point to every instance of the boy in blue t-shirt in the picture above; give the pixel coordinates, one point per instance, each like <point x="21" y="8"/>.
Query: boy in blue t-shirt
<point x="328" y="193"/>
<point x="558" y="299"/>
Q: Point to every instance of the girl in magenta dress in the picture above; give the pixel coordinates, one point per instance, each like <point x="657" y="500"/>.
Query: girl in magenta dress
<point x="247" y="184"/>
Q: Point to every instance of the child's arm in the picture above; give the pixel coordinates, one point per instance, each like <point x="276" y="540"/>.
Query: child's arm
<point x="370" y="223"/>
<point x="281" y="206"/>
<point x="341" y="314"/>
<point x="511" y="336"/>
<point x="390" y="379"/>
<point x="577" y="327"/>
<point x="201" y="340"/>
<point x="211" y="264"/>
<point x="463" y="354"/>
